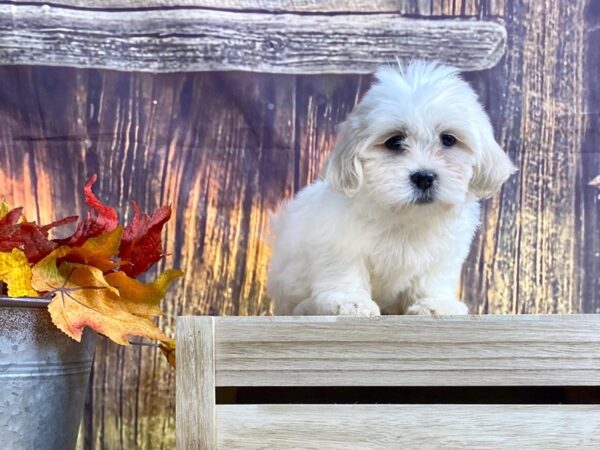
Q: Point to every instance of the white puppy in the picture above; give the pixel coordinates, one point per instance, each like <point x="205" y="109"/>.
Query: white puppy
<point x="389" y="224"/>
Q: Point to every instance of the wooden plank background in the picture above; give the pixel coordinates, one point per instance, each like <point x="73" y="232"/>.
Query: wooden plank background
<point x="225" y="147"/>
<point x="167" y="40"/>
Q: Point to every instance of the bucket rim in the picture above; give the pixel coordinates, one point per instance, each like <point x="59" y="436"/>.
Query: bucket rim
<point x="24" y="302"/>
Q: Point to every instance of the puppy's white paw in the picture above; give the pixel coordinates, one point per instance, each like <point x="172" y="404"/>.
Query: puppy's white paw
<point x="437" y="307"/>
<point x="337" y="307"/>
<point x="359" y="309"/>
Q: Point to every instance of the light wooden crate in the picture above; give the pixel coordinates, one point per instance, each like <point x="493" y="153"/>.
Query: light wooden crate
<point x="391" y="351"/>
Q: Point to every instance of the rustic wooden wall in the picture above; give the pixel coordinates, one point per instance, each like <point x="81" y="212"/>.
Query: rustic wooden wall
<point x="225" y="147"/>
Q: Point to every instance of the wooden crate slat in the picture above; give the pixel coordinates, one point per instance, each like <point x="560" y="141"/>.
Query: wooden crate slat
<point x="195" y="412"/>
<point x="573" y="328"/>
<point x="408" y="351"/>
<point x="174" y="40"/>
<point x="408" y="426"/>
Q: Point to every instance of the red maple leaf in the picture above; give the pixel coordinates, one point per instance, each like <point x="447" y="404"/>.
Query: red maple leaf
<point x="59" y="223"/>
<point x="141" y="245"/>
<point x="99" y="219"/>
<point x="139" y="249"/>
<point x="29" y="237"/>
<point x="11" y="217"/>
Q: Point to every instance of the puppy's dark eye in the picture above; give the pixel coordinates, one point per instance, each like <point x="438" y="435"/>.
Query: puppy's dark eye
<point x="395" y="142"/>
<point x="447" y="140"/>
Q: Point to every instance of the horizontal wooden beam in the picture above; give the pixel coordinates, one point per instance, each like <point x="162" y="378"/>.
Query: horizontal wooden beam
<point x="174" y="40"/>
<point x="408" y="426"/>
<point x="310" y="6"/>
<point x="408" y="351"/>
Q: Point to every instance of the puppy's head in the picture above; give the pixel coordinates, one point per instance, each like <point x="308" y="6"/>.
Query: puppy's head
<point x="419" y="136"/>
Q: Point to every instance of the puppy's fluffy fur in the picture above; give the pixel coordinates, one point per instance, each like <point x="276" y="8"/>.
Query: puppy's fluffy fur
<point x="365" y="238"/>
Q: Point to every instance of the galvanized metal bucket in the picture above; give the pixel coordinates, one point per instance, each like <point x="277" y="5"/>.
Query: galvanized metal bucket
<point x="43" y="378"/>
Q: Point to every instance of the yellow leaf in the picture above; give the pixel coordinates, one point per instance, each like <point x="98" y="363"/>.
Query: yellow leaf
<point x="168" y="349"/>
<point x="143" y="298"/>
<point x="16" y="273"/>
<point x="98" y="251"/>
<point x="82" y="297"/>
<point x="4" y="209"/>
<point x="596" y="181"/>
<point x="52" y="278"/>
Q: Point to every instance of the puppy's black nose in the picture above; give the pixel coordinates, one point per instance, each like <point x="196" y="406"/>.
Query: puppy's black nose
<point x="423" y="179"/>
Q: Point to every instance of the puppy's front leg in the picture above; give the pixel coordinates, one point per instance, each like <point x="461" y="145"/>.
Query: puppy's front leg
<point x="340" y="291"/>
<point x="434" y="295"/>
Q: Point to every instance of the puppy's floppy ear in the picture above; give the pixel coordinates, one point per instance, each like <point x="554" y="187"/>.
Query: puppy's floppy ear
<point x="343" y="169"/>
<point x="493" y="166"/>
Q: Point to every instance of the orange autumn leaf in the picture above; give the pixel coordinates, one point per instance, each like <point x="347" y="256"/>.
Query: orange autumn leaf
<point x="168" y="349"/>
<point x="142" y="298"/>
<point x="16" y="273"/>
<point x="98" y="251"/>
<point x="82" y="297"/>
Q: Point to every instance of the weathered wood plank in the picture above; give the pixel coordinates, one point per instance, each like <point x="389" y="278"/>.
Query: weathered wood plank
<point x="588" y="205"/>
<point x="174" y="41"/>
<point x="528" y="255"/>
<point x="126" y="135"/>
<point x="463" y="8"/>
<point x="467" y="8"/>
<point x="295" y="6"/>
<point x="196" y="384"/>
<point x="408" y="426"/>
<point x="408" y="351"/>
<point x="588" y="215"/>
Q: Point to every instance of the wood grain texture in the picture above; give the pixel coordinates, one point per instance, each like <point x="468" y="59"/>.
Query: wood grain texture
<point x="407" y="351"/>
<point x="528" y="257"/>
<point x="408" y="426"/>
<point x="208" y="40"/>
<point x="463" y="8"/>
<point x="196" y="381"/>
<point x="295" y="6"/>
<point x="588" y="197"/>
